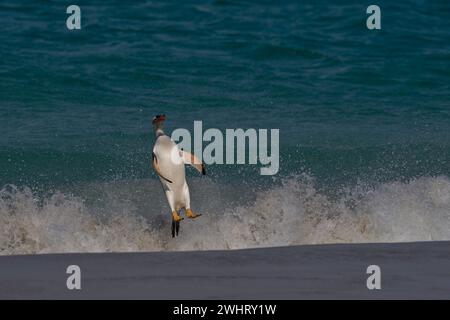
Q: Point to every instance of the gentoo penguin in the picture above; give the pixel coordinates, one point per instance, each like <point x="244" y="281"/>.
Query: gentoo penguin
<point x="168" y="162"/>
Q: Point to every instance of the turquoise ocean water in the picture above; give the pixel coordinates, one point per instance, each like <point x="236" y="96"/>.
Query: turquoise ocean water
<point x="364" y="119"/>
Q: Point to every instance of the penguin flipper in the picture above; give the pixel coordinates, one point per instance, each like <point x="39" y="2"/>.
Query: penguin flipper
<point x="156" y="167"/>
<point x="191" y="159"/>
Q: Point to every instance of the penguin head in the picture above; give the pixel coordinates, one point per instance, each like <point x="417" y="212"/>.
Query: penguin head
<point x="158" y="120"/>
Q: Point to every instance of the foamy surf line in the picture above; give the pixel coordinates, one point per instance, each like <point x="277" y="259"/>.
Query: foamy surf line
<point x="293" y="213"/>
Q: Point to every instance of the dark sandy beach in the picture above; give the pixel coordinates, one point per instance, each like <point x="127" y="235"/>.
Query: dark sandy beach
<point x="408" y="270"/>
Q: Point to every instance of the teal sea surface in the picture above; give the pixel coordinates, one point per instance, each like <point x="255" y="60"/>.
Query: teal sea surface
<point x="364" y="120"/>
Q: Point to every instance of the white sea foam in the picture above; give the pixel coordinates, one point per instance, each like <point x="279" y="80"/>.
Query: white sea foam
<point x="292" y="213"/>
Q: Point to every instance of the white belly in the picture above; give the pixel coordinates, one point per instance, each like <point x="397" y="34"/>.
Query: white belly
<point x="172" y="167"/>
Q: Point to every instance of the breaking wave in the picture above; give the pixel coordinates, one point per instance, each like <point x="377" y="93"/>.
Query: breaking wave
<point x="292" y="213"/>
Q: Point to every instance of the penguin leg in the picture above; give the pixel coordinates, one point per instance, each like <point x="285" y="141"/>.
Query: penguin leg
<point x="187" y="203"/>
<point x="176" y="217"/>
<point x="191" y="215"/>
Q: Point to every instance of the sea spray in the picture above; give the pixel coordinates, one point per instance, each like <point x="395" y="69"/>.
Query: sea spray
<point x="292" y="213"/>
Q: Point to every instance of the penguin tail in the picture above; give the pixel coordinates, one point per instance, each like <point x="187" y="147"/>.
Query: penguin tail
<point x="175" y="223"/>
<point x="175" y="228"/>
